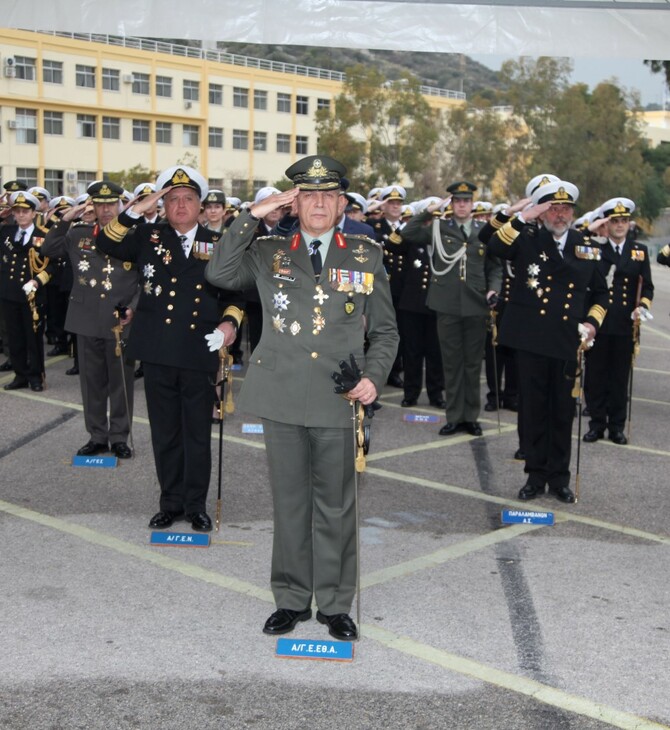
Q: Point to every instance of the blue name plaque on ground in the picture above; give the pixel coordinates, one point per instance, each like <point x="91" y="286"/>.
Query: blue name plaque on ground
<point x="180" y="539"/>
<point x="420" y="418"/>
<point x="338" y="651"/>
<point x="517" y="516"/>
<point x="101" y="462"/>
<point x="252" y="428"/>
<point x="236" y="366"/>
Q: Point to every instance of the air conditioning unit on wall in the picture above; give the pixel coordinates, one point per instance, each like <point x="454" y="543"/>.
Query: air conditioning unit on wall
<point x="70" y="176"/>
<point x="10" y="68"/>
<point x="11" y="123"/>
<point x="127" y="78"/>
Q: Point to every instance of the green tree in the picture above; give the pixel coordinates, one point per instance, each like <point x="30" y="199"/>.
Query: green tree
<point x="381" y="130"/>
<point x="132" y="177"/>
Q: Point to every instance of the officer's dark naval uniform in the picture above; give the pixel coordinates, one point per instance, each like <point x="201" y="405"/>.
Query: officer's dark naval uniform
<point x="608" y="362"/>
<point x="26" y="347"/>
<point x="177" y="308"/>
<point x="100" y="284"/>
<point x="551" y="295"/>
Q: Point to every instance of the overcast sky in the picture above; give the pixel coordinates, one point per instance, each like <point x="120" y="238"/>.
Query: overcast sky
<point x="631" y="74"/>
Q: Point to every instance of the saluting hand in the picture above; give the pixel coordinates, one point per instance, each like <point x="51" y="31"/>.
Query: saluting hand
<point x="272" y="202"/>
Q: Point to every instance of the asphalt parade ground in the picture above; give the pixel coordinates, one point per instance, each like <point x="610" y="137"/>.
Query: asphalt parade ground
<point x="467" y="624"/>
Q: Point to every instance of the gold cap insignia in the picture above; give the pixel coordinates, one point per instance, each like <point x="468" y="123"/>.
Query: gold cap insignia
<point x="20" y="198"/>
<point x="180" y="178"/>
<point x="560" y="194"/>
<point x="317" y="169"/>
<point x="462" y="188"/>
<point x="104" y="190"/>
<point x="620" y="209"/>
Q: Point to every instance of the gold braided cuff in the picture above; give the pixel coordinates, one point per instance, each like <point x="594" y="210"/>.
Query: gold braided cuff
<point x="235" y="313"/>
<point x="597" y="313"/>
<point x="507" y="234"/>
<point x="499" y="220"/>
<point x="646" y="302"/>
<point x="115" y="230"/>
<point x="43" y="277"/>
<point x="666" y="250"/>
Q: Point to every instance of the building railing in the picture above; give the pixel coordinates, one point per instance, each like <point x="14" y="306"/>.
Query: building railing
<point x="233" y="59"/>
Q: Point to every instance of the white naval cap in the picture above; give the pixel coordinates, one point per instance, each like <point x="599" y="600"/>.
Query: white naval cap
<point x="182" y="176"/>
<point x="539" y="181"/>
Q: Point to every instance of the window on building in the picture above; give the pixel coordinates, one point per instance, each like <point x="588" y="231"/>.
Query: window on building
<point x="85" y="76"/>
<point x="215" y="183"/>
<point x="216" y="94"/>
<point x="111" y="128"/>
<point x="258" y="184"/>
<point x="284" y="143"/>
<point x="301" y="145"/>
<point x="216" y="137"/>
<point x="261" y="141"/>
<point x="240" y="139"/>
<point x="141" y="130"/>
<point x="191" y="135"/>
<point x="52" y="72"/>
<point x="240" y="188"/>
<point x="26" y="126"/>
<point x="260" y="100"/>
<point x="84" y="179"/>
<point x="53" y="181"/>
<point x="323" y="103"/>
<point x="28" y="175"/>
<point x="191" y="90"/>
<point x="163" y="133"/>
<point x="302" y="105"/>
<point x="53" y="123"/>
<point x="85" y="125"/>
<point x="141" y="83"/>
<point x="111" y="79"/>
<point x="240" y="97"/>
<point x="25" y="68"/>
<point x="164" y="86"/>
<point x="283" y="102"/>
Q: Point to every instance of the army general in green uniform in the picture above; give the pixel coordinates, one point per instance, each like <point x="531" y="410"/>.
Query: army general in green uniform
<point x="321" y="293"/>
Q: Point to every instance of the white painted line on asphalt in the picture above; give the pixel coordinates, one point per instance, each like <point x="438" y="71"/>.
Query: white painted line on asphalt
<point x="654" y="331"/>
<point x="513" y="682"/>
<point x="432" y="560"/>
<point x="471" y="494"/>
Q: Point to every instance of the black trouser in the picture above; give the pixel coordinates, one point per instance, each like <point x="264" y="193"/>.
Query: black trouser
<point x="26" y="347"/>
<point x="606" y="381"/>
<point x="179" y="404"/>
<point x="546" y="412"/>
<point x="420" y="343"/>
<point x="505" y="363"/>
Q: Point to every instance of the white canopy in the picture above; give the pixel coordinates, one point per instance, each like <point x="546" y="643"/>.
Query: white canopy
<point x="636" y="29"/>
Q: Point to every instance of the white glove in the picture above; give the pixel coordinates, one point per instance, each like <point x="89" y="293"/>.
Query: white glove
<point x="584" y="334"/>
<point x="29" y="287"/>
<point x="215" y="340"/>
<point x="643" y="313"/>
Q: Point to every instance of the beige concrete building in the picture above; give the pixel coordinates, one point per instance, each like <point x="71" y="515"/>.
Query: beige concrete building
<point x="74" y="108"/>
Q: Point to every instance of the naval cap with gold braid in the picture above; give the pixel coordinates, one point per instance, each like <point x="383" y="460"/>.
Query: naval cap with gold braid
<point x="556" y="193"/>
<point x="618" y="208"/>
<point x="181" y="176"/>
<point x="23" y="199"/>
<point x="317" y="172"/>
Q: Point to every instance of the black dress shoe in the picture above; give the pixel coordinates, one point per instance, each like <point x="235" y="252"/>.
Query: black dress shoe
<point x="439" y="403"/>
<point x="592" y="435"/>
<point x="530" y="492"/>
<point x="618" y="438"/>
<point x="139" y="373"/>
<point x="408" y="402"/>
<point x="121" y="450"/>
<point x="164" y="519"/>
<point x="57" y="350"/>
<point x="395" y="380"/>
<point x="6" y="367"/>
<point x="520" y="455"/>
<point x="490" y="406"/>
<point x="284" y="620"/>
<point x="511" y="405"/>
<point x="74" y="370"/>
<point x="91" y="449"/>
<point x="564" y="494"/>
<point x="200" y="522"/>
<point x="340" y="625"/>
<point x="450" y="428"/>
<point x="473" y="428"/>
<point x="36" y="387"/>
<point x="16" y="384"/>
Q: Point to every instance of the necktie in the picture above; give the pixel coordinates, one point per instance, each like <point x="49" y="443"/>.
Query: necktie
<point x="22" y="239"/>
<point x="184" y="244"/>
<point x="558" y="248"/>
<point x="618" y="253"/>
<point x="315" y="255"/>
<point x="465" y="235"/>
